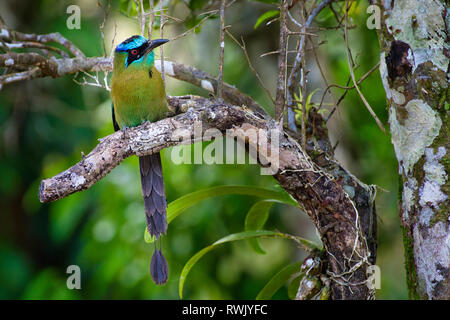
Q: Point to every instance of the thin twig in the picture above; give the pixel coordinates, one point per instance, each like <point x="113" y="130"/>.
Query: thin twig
<point x="244" y="49"/>
<point x="347" y="50"/>
<point x="96" y="80"/>
<point x="21" y="45"/>
<point x="113" y="40"/>
<point x="19" y="76"/>
<point x="277" y="52"/>
<point x="190" y="30"/>
<point x="152" y="19"/>
<point x="326" y="83"/>
<point x="102" y="25"/>
<point x="293" y="77"/>
<point x="303" y="78"/>
<point x="295" y="72"/>
<point x="140" y="15"/>
<point x="364" y="77"/>
<point x="221" y="49"/>
<point x="280" y="99"/>
<point x="10" y="35"/>
<point x="296" y="33"/>
<point x="161" y="50"/>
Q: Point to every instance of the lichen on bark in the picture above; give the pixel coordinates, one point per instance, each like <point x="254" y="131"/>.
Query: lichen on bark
<point x="414" y="68"/>
<point x="412" y="133"/>
<point x="420" y="24"/>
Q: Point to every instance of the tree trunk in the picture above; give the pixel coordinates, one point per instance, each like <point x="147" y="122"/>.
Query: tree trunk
<point x="414" y="67"/>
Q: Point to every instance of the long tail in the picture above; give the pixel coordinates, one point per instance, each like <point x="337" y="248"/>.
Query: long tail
<point x="155" y="210"/>
<point x="154" y="194"/>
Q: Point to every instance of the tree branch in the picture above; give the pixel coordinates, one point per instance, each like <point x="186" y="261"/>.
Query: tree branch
<point x="280" y="99"/>
<point x="64" y="66"/>
<point x="11" y="36"/>
<point x="340" y="217"/>
<point x="294" y="75"/>
<point x="221" y="49"/>
<point x="341" y="207"/>
<point x="347" y="51"/>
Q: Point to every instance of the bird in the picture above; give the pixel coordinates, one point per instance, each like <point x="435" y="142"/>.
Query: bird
<point x="138" y="95"/>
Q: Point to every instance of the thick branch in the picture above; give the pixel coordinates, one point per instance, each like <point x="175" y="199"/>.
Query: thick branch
<point x="340" y="206"/>
<point x="332" y="209"/>
<point x="200" y="78"/>
<point x="24" y="66"/>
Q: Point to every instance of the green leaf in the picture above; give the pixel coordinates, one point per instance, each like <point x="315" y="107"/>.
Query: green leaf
<point x="191" y="21"/>
<point x="255" y="220"/>
<point x="325" y="293"/>
<point x="277" y="281"/>
<point x="128" y="8"/>
<point x="147" y="237"/>
<point x="179" y="205"/>
<point x="308" y="245"/>
<point x="196" y="4"/>
<point x="232" y="237"/>
<point x="293" y="286"/>
<point x="308" y="100"/>
<point x="186" y="201"/>
<point x="267" y="15"/>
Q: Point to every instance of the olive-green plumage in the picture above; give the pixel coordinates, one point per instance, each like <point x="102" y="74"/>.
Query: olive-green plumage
<point x="138" y="95"/>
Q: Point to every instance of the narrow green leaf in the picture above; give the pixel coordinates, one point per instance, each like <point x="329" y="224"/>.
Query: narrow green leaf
<point x="179" y="205"/>
<point x="255" y="220"/>
<point x="186" y="201"/>
<point x="277" y="281"/>
<point x="232" y="237"/>
<point x="308" y="100"/>
<point x="267" y="15"/>
<point x="293" y="286"/>
<point x="309" y="245"/>
<point x="196" y="4"/>
<point x="325" y="293"/>
<point x="128" y="8"/>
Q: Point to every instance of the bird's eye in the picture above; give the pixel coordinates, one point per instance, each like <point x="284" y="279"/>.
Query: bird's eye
<point x="134" y="52"/>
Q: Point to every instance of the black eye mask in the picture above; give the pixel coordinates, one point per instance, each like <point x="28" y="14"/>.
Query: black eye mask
<point x="140" y="51"/>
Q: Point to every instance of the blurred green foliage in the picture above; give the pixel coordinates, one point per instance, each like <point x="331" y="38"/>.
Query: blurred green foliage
<point x="45" y="124"/>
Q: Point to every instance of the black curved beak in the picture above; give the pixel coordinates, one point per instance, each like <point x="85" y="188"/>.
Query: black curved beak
<point x="152" y="44"/>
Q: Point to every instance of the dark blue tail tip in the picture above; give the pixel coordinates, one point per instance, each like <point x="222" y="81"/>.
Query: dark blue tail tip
<point x="159" y="269"/>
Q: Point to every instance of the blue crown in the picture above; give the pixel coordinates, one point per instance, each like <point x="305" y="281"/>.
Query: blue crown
<point x="131" y="43"/>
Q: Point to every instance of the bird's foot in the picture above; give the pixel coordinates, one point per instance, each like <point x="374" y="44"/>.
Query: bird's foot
<point x="145" y="121"/>
<point x="124" y="131"/>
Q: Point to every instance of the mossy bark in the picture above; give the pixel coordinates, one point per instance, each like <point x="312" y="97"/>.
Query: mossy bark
<point x="414" y="66"/>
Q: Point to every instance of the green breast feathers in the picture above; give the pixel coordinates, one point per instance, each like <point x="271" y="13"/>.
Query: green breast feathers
<point x="137" y="90"/>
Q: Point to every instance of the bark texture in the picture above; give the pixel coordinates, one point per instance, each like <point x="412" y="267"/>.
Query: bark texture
<point x="341" y="207"/>
<point x="414" y="66"/>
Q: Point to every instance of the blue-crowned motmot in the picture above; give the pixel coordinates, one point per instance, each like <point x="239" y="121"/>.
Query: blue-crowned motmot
<point x="138" y="95"/>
